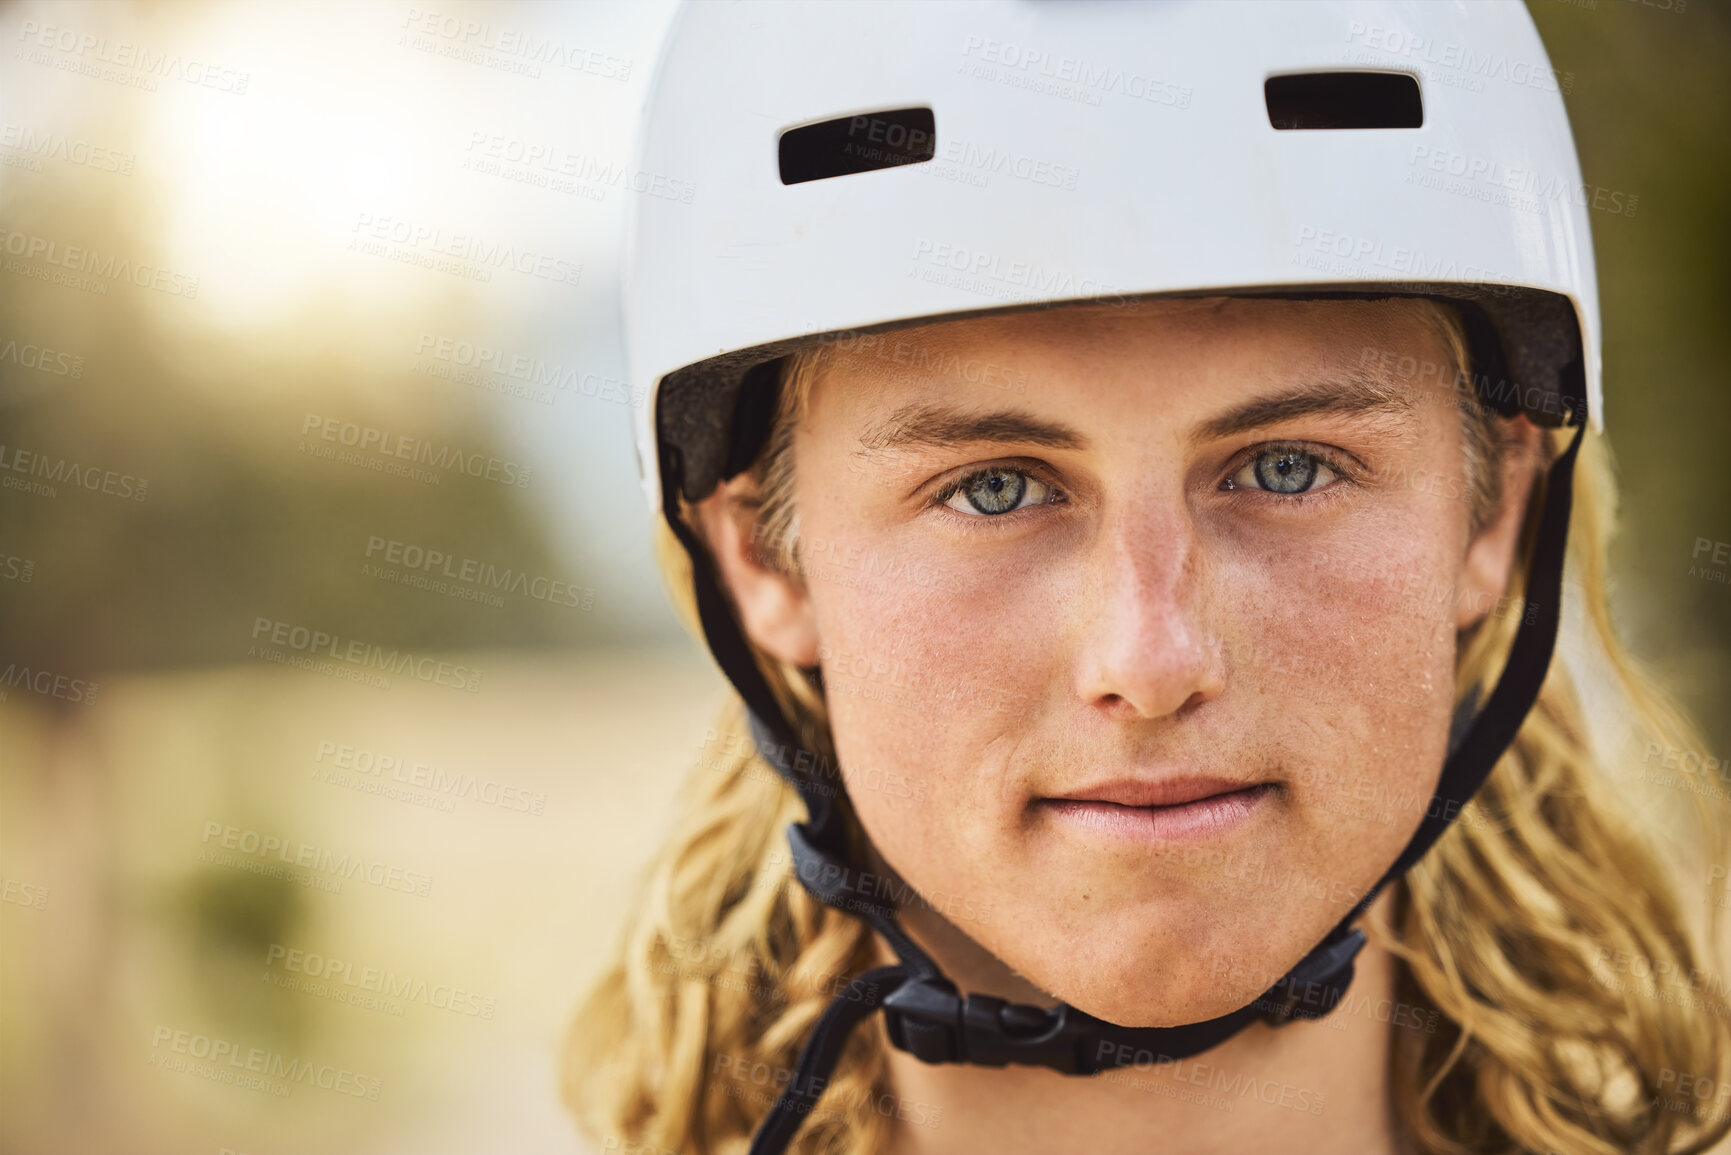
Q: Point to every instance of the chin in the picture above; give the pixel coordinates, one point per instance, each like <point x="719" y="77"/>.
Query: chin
<point x="1190" y="999"/>
<point x="1162" y="981"/>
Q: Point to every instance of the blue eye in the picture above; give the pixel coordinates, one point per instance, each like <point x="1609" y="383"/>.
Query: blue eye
<point x="995" y="491"/>
<point x="1282" y="469"/>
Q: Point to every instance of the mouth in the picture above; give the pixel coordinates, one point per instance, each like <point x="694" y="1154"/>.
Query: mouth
<point x="1177" y="809"/>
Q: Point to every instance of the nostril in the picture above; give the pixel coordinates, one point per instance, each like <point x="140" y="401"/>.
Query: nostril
<point x="1193" y="702"/>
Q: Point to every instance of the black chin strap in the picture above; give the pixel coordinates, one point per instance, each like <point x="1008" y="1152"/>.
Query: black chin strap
<point x="924" y="1013"/>
<point x="820" y="1056"/>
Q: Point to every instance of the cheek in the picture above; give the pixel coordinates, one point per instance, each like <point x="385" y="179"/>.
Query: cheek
<point x="1345" y="653"/>
<point x="930" y="675"/>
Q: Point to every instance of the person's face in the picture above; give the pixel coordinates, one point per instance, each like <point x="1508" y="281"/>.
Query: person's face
<point x="1137" y="626"/>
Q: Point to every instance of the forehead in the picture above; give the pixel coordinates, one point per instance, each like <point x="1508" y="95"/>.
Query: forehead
<point x="1163" y="349"/>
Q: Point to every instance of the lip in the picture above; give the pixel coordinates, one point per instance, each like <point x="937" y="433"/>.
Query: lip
<point x="1168" y="810"/>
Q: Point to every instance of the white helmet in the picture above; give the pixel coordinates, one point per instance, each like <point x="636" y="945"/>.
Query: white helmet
<point x="1123" y="150"/>
<point x="868" y="165"/>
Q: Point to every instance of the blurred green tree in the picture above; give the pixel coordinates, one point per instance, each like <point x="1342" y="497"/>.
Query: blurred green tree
<point x="1650" y="105"/>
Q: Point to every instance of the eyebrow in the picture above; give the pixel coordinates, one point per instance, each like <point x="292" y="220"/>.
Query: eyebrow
<point x="939" y="426"/>
<point x="1351" y="391"/>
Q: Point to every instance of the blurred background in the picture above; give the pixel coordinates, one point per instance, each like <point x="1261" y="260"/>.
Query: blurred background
<point x="340" y="702"/>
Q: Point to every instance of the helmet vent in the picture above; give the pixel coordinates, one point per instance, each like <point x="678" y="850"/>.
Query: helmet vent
<point x="1316" y="100"/>
<point x="862" y="143"/>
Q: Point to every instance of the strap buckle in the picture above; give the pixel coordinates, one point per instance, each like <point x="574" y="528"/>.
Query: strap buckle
<point x="927" y="1018"/>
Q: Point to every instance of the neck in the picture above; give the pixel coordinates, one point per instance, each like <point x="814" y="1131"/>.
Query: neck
<point x="1303" y="1087"/>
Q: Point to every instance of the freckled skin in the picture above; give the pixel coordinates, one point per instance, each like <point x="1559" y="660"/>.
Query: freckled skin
<point x="1150" y="623"/>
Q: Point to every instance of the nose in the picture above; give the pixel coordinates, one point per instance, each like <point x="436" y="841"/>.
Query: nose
<point x="1146" y="649"/>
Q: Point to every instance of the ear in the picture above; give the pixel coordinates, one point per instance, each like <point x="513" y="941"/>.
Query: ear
<point x="774" y="608"/>
<point x="1491" y="554"/>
